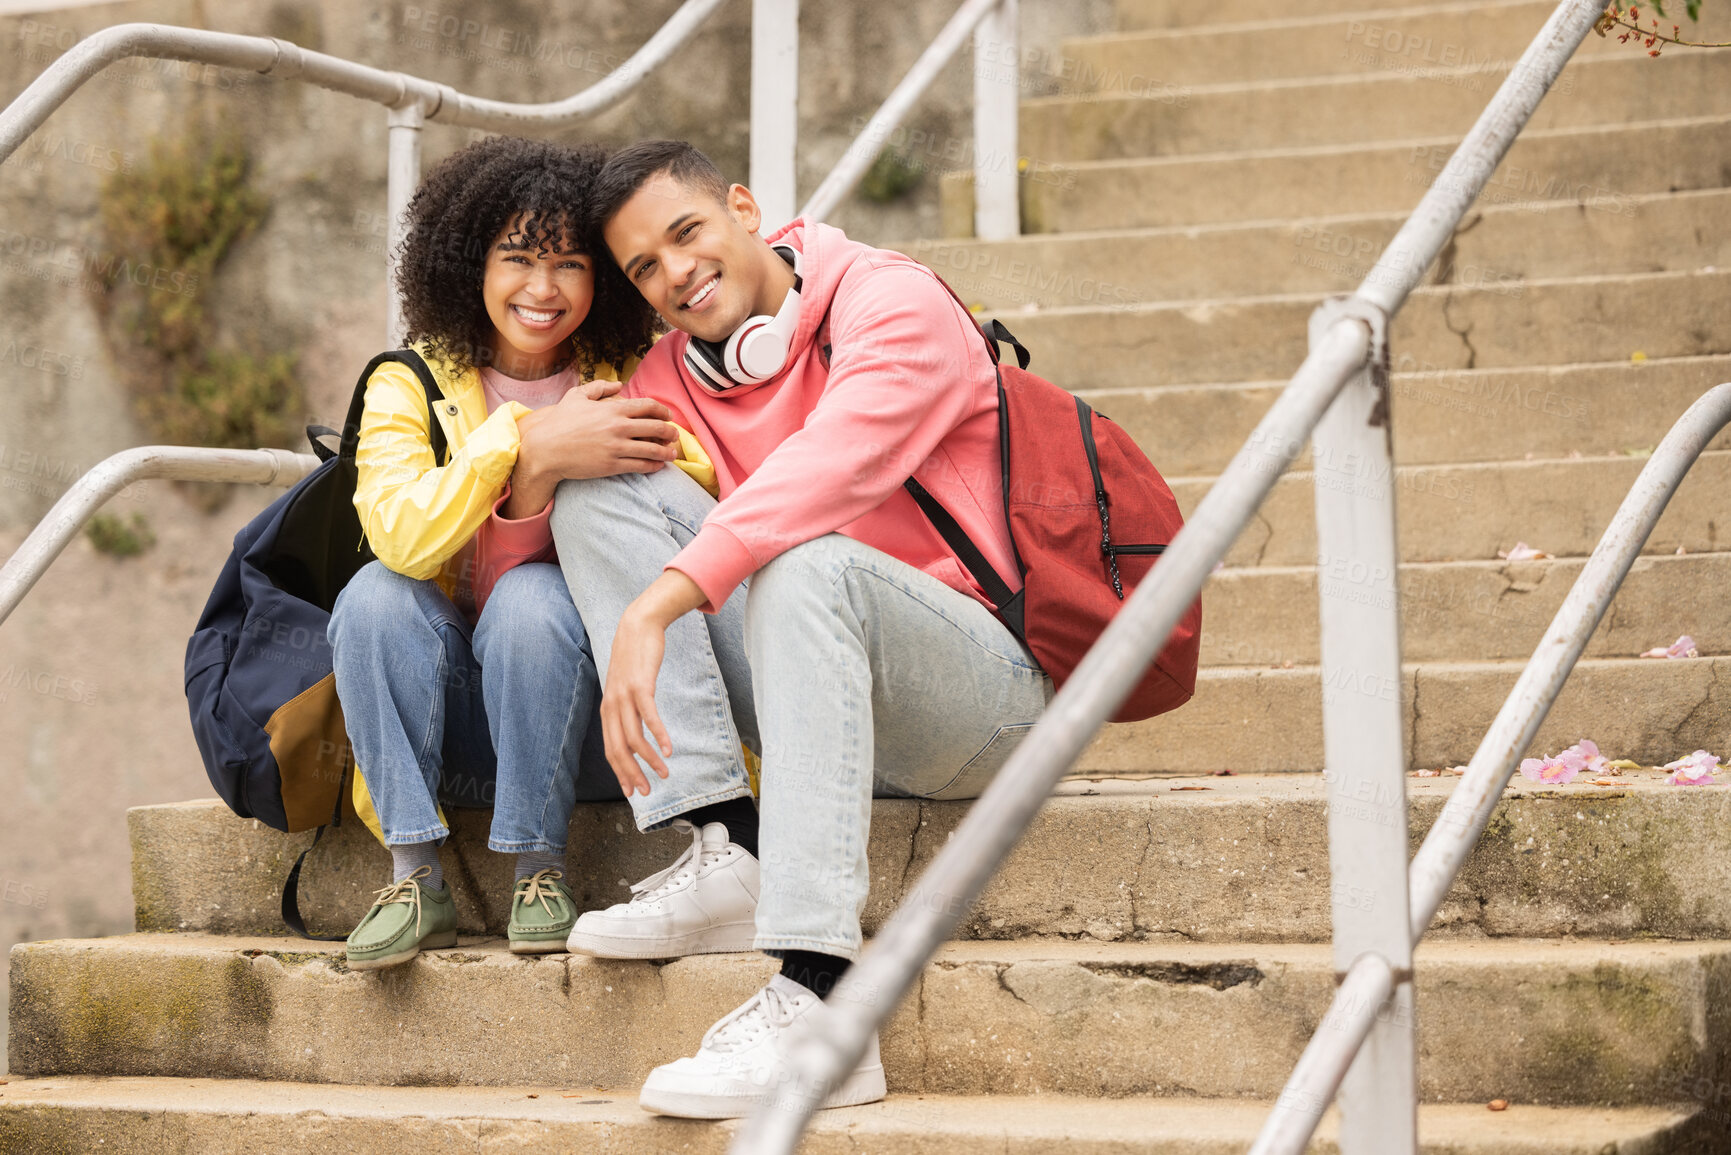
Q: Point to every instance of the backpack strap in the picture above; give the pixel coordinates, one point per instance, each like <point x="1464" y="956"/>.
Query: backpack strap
<point x="291" y="897"/>
<point x="291" y="886"/>
<point x="993" y="332"/>
<point x="351" y="435"/>
<point x="349" y="442"/>
<point x="996" y="332"/>
<point x="996" y="588"/>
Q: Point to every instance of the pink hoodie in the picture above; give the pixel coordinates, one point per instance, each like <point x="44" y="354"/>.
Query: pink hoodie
<point x="909" y="389"/>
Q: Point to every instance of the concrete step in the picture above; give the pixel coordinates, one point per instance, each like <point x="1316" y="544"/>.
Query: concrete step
<point x="161" y="1116"/>
<point x="1441" y="416"/>
<point x="1343" y="110"/>
<point x="1259" y="720"/>
<point x="1144" y="15"/>
<point x="1532" y="1021"/>
<point x="1240" y="858"/>
<point x="1300" y="43"/>
<point x="1554" y="321"/>
<point x="1604" y="165"/>
<point x="1470" y="611"/>
<point x="1497" y="248"/>
<point x="1471" y="512"/>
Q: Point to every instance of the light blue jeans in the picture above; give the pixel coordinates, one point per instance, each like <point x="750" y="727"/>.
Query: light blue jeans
<point x="854" y="674"/>
<point x="504" y="715"/>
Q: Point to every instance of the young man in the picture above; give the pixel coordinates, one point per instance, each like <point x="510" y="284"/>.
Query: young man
<point x="840" y="635"/>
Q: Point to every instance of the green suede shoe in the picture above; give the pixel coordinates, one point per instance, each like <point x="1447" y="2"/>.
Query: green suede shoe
<point x="407" y="917"/>
<point x="542" y="914"/>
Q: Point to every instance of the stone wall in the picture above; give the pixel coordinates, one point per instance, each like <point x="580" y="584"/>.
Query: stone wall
<point x="92" y="719"/>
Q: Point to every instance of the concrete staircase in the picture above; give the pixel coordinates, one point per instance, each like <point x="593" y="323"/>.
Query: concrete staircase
<point x="1145" y="972"/>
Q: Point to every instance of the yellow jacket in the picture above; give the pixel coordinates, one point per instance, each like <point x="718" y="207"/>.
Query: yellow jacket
<point x="419" y="514"/>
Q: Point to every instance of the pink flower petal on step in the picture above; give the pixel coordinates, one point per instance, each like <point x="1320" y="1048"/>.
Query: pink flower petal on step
<point x="1683" y="647"/>
<point x="1595" y="762"/>
<point x="1565" y="767"/>
<point x="1582" y="757"/>
<point x="1695" y="770"/>
<point x="1522" y="552"/>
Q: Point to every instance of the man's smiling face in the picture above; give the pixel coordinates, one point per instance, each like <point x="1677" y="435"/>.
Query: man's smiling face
<point x="696" y="260"/>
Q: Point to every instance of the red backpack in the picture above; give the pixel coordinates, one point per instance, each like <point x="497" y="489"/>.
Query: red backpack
<point x="1089" y="515"/>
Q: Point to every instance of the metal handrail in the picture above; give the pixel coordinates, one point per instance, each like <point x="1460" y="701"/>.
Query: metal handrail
<point x="413" y="101"/>
<point x="161" y="462"/>
<point x="889" y="965"/>
<point x="1445" y="848"/>
<point x="870" y="140"/>
<point x="1469" y="807"/>
<point x="270" y="56"/>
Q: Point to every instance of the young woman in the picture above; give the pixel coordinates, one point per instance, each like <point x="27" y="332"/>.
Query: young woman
<point x="463" y="668"/>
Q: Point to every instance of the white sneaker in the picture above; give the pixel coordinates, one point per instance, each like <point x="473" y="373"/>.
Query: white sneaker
<point x="705" y="903"/>
<point x="744" y="1059"/>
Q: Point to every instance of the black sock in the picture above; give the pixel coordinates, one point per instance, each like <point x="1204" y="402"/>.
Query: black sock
<point x="739" y="815"/>
<point x="817" y="973"/>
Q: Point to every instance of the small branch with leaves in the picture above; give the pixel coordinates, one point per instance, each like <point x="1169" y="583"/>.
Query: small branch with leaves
<point x="1616" y="17"/>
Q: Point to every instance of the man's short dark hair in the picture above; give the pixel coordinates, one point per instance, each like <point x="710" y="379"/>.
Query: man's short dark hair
<point x="632" y="167"/>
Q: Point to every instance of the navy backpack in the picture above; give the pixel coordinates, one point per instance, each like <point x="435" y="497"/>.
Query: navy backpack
<point x="259" y="681"/>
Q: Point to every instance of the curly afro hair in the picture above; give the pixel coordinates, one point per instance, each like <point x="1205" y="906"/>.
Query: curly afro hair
<point x="461" y="208"/>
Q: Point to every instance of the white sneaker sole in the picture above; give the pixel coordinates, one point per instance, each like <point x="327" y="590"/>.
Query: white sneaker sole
<point x="728" y="938"/>
<point x="865" y="1085"/>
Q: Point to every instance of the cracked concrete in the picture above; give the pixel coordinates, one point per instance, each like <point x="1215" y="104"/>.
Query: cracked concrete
<point x="1445" y="263"/>
<point x="1464" y="334"/>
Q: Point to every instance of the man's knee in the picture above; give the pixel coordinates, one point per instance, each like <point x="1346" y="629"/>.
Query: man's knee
<point x="577" y="501"/>
<point x="583" y="508"/>
<point x="811" y="564"/>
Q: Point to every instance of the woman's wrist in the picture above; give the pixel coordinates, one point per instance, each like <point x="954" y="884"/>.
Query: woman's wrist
<point x="530" y="493"/>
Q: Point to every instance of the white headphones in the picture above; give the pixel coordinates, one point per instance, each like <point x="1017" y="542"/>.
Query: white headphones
<point x="757" y="350"/>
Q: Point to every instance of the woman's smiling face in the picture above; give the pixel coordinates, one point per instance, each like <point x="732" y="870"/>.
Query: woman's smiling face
<point x="536" y="298"/>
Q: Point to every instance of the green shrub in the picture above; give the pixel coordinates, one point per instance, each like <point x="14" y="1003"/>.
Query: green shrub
<point x="238" y="400"/>
<point x="892" y="175"/>
<point x="117" y="537"/>
<point x="167" y="226"/>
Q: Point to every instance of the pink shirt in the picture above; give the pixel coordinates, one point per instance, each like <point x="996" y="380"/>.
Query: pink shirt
<point x="897" y="383"/>
<point x="501" y="544"/>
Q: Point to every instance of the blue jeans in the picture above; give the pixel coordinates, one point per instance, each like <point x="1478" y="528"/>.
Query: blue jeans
<point x="504" y="715"/>
<point x="860" y="675"/>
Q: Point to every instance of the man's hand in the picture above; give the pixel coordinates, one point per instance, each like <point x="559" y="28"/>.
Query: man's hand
<point x="628" y="701"/>
<point x="589" y="433"/>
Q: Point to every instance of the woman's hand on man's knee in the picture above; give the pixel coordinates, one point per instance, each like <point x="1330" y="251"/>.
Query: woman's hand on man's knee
<point x="587" y="435"/>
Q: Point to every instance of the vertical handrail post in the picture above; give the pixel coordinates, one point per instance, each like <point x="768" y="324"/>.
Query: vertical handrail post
<point x="402" y="176"/>
<point x="774" y="109"/>
<point x="1363" y="732"/>
<point x="997" y="105"/>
